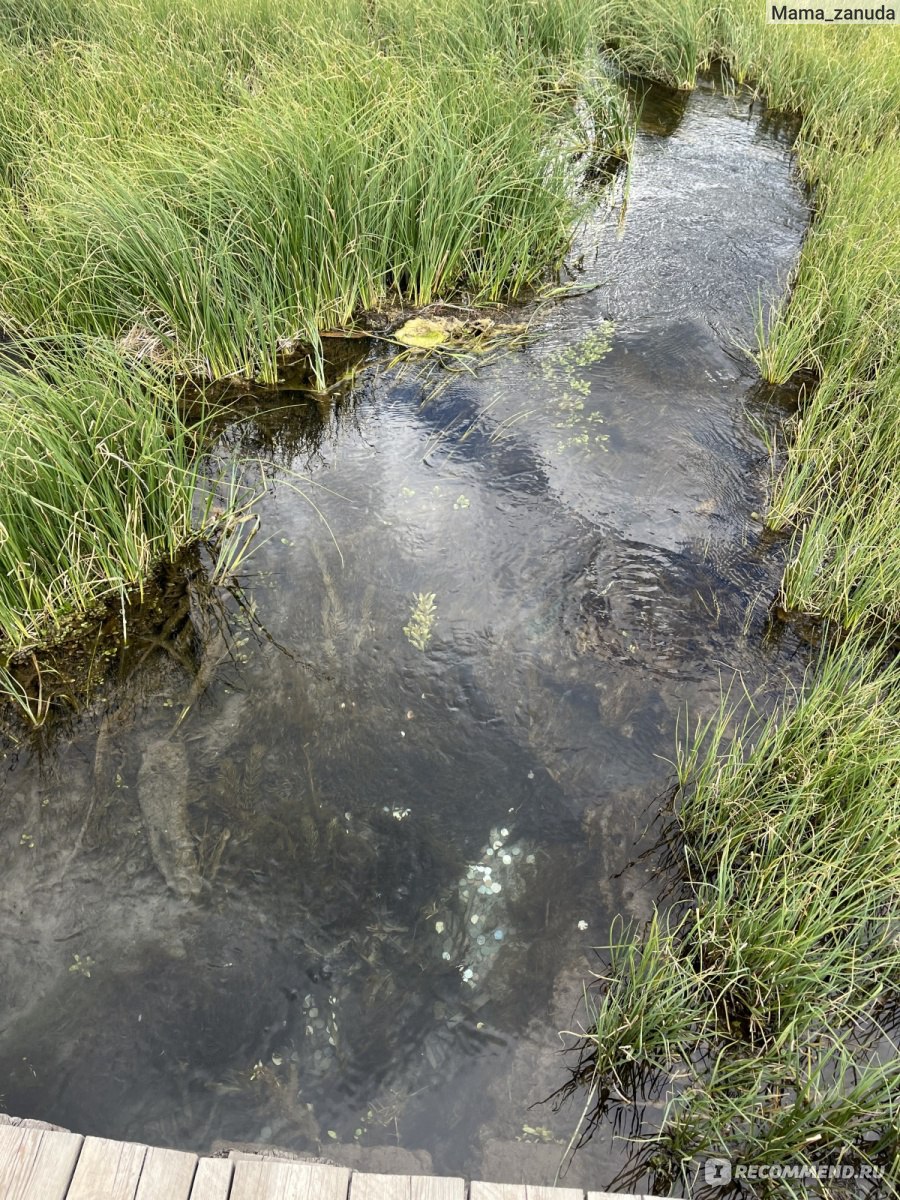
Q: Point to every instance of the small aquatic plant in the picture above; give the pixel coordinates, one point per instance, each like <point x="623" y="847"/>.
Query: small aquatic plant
<point x="81" y="966"/>
<point x="576" y="427"/>
<point x="421" y="621"/>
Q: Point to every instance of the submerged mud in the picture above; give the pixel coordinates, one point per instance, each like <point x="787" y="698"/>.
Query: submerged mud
<point x="163" y="796"/>
<point x="294" y="878"/>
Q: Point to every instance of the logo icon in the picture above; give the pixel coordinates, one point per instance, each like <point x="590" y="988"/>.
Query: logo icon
<point x="717" y="1171"/>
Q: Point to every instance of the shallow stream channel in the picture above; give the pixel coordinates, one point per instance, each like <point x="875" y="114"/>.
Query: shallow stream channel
<point x="342" y="897"/>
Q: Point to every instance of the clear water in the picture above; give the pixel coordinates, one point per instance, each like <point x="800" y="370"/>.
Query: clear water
<point x="346" y="904"/>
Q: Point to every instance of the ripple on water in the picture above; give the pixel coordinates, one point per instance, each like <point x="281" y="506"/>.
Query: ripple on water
<point x="398" y="860"/>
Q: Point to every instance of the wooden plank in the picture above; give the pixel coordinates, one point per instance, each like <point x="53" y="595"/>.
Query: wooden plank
<point x="166" y="1175"/>
<point x="36" y="1162"/>
<point x="364" y="1186"/>
<point x="379" y="1187"/>
<point x="107" y="1170"/>
<point x="523" y="1191"/>
<point x="269" y="1179"/>
<point x="213" y="1179"/>
<point x="429" y="1187"/>
<point x="553" y="1193"/>
<point x="479" y="1190"/>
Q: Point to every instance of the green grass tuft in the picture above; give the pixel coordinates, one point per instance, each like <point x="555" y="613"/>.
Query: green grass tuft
<point x="101" y="481"/>
<point x="230" y="180"/>
<point x="761" y="1000"/>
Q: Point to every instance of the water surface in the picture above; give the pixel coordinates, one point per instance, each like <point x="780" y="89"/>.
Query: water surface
<point x="348" y="900"/>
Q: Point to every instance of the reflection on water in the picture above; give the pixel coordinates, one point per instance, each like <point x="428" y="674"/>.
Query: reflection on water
<point x="292" y="878"/>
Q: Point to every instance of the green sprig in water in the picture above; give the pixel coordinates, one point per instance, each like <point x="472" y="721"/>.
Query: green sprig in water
<point x="421" y="620"/>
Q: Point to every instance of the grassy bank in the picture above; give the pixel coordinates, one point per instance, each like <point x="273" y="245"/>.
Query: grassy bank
<point x="106" y="487"/>
<point x="101" y="481"/>
<point x="218" y="181"/>
<point x="202" y="185"/>
<point x="761" y="1007"/>
<point x="842" y="323"/>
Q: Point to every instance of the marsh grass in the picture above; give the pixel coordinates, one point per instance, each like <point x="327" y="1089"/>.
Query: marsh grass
<point x="759" y="1003"/>
<point x="230" y="182"/>
<point x="841" y="322"/>
<point x="102" y="480"/>
<point x="204" y="186"/>
<point x="760" y="1006"/>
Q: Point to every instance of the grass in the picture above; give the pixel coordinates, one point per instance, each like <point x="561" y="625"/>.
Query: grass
<point x="211" y="182"/>
<point x="229" y="180"/>
<point x="101" y="481"/>
<point x="791" y="840"/>
<point x="841" y="325"/>
<point x="761" y="999"/>
<point x="196" y="187"/>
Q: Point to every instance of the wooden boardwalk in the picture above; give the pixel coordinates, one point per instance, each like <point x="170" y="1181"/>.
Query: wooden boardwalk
<point x="41" y="1164"/>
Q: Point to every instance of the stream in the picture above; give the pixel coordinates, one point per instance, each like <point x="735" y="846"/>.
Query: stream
<point x="343" y="898"/>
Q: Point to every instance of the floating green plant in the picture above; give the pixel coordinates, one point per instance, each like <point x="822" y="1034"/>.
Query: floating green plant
<point x="575" y="426"/>
<point x="421" y="620"/>
<point x="593" y="346"/>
